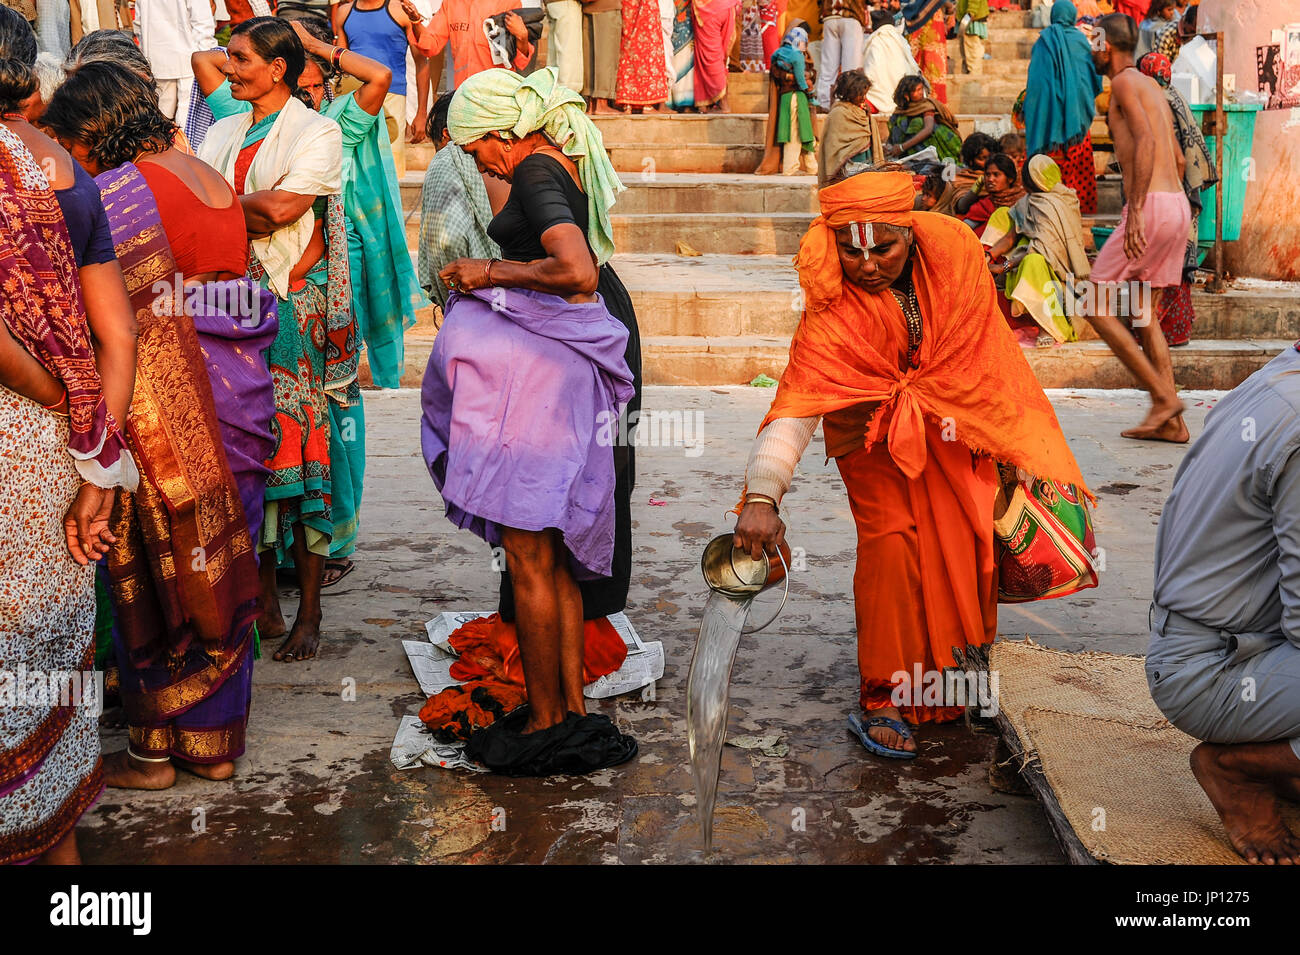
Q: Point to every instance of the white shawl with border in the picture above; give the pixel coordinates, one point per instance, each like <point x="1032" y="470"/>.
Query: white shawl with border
<point x="303" y="154"/>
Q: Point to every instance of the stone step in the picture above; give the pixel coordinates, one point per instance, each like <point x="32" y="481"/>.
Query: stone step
<point x="673" y="193"/>
<point x="731" y="360"/>
<point x="682" y="129"/>
<point x="725" y="214"/>
<point x="694" y="306"/>
<point x="696" y="140"/>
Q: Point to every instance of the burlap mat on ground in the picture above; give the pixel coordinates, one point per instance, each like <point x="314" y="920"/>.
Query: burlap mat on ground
<point x="1117" y="767"/>
<point x="1089" y="684"/>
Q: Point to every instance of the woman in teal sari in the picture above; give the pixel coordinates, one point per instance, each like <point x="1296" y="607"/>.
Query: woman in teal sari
<point x="285" y="162"/>
<point x="385" y="293"/>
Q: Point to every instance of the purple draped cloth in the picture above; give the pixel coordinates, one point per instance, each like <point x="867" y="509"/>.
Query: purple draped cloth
<point x="521" y="400"/>
<point x="242" y="389"/>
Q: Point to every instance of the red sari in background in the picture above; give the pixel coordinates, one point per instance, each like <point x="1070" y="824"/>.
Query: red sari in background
<point x="1079" y="172"/>
<point x="930" y="50"/>
<point x="715" y="28"/>
<point x="642" y="70"/>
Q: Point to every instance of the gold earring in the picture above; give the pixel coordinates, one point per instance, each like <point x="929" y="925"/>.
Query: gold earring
<point x="507" y="147"/>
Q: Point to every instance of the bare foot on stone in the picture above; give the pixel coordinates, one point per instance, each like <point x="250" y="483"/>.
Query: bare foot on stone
<point x="214" y="771"/>
<point x="303" y="641"/>
<point x="121" y="771"/>
<point x="1164" y="422"/>
<point x="1247" y="807"/>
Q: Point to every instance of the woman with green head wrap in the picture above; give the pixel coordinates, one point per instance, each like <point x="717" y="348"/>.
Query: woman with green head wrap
<point x="556" y="238"/>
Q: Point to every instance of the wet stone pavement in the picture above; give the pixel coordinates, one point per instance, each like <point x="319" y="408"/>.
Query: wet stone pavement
<point x="316" y="784"/>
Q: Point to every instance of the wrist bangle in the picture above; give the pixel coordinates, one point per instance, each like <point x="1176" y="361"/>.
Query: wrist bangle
<point x="491" y="262"/>
<point x="337" y="57"/>
<point x="54" y="408"/>
<point x="764" y="498"/>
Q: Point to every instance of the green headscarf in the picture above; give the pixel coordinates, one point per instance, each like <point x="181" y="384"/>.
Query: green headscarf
<point x="500" y="100"/>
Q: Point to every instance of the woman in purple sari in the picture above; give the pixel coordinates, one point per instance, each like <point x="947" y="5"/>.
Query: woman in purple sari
<point x="183" y="570"/>
<point x="522" y="398"/>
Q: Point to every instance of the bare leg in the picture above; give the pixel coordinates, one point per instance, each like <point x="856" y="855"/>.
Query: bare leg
<point x="530" y="557"/>
<point x="270" y="620"/>
<point x="63" y="852"/>
<point x="1240" y="781"/>
<point x="572" y="634"/>
<point x="1164" y="397"/>
<point x="304" y="638"/>
<point x="1156" y="348"/>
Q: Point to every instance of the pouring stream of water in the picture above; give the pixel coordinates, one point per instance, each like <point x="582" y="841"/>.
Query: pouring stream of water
<point x="707" y="689"/>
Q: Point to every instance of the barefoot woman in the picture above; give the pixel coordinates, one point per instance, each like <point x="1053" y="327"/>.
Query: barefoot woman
<point x="285" y="160"/>
<point x="903" y="353"/>
<point x="527" y="367"/>
<point x="61" y="454"/>
<point x="183" y="569"/>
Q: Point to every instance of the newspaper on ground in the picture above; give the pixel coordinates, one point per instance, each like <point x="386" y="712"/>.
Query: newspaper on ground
<point x="431" y="663"/>
<point x="415" y="746"/>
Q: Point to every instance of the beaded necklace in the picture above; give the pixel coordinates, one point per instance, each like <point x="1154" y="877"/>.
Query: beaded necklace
<point x="907" y="301"/>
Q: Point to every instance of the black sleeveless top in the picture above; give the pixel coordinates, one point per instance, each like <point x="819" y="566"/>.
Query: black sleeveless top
<point x="542" y="195"/>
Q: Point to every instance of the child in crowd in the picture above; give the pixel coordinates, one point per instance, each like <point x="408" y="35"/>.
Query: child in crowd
<point x="790" y="118"/>
<point x="847" y="133"/>
<point x="1013" y="145"/>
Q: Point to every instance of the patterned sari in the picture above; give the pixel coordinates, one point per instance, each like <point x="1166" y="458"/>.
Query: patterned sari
<point x="183" y="570"/>
<point x="930" y="50"/>
<point x="50" y="770"/>
<point x="314" y="358"/>
<point x="642" y="80"/>
<point x="682" y="93"/>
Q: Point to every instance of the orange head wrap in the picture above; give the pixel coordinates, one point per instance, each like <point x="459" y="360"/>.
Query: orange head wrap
<point x="869" y="197"/>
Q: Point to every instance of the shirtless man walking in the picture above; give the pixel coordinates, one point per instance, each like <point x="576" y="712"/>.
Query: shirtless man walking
<point x="1150" y="240"/>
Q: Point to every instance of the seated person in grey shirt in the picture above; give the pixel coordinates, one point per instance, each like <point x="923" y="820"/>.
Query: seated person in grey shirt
<point x="1224" y="660"/>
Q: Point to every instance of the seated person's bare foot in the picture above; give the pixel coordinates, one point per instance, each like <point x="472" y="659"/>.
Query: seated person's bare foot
<point x="123" y="771"/>
<point x="1288" y="788"/>
<point x="887" y="737"/>
<point x="302" y="643"/>
<point x="602" y="108"/>
<point x="213" y="771"/>
<point x="1246" y="805"/>
<point x="1161" y="413"/>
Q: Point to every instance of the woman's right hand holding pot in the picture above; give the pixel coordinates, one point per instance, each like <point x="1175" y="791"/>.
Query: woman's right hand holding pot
<point x="759" y="529"/>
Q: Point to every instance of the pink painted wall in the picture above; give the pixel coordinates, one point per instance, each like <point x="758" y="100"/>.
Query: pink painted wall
<point x="1269" y="247"/>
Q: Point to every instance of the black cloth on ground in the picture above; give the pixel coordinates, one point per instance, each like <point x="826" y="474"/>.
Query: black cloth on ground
<point x="581" y="744"/>
<point x="542" y="195"/>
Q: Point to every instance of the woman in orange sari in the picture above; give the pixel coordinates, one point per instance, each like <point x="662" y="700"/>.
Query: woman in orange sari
<point x="904" y="356"/>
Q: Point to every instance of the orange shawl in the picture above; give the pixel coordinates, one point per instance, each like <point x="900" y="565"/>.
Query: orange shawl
<point x="973" y="377"/>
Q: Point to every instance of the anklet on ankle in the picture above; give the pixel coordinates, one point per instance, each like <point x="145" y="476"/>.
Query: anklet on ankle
<point x="145" y="759"/>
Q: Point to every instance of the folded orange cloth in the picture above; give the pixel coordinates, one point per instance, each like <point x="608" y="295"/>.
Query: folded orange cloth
<point x="493" y="674"/>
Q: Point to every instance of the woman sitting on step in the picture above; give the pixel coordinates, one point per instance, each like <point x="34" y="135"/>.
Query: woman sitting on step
<point x="920" y="121"/>
<point x="1037" y="244"/>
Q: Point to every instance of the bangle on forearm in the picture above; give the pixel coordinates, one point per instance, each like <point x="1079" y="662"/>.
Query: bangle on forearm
<point x="750" y="498"/>
<point x="54" y="408"/>
<point x="491" y="262"/>
<point x="337" y="57"/>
